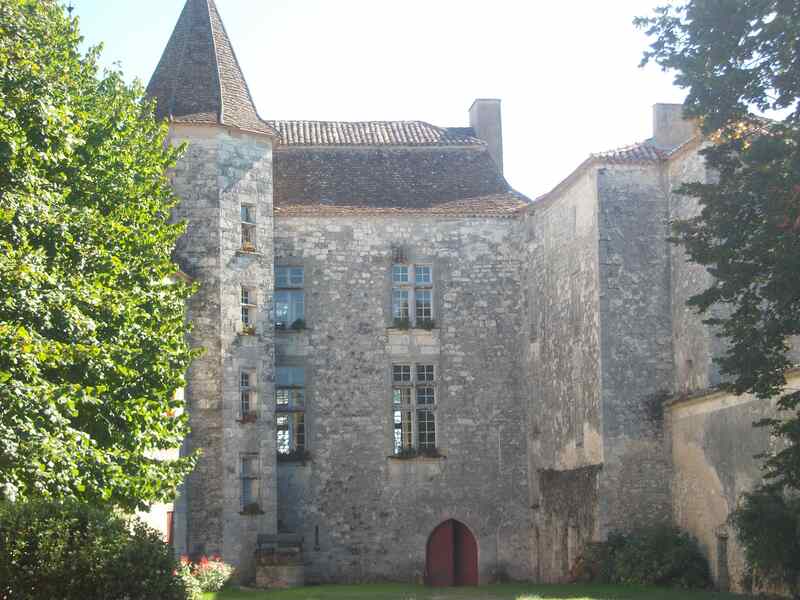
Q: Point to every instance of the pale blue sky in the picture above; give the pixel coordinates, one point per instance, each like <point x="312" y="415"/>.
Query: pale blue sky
<point x="566" y="70"/>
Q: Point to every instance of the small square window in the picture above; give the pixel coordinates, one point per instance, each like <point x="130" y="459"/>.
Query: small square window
<point x="424" y="373"/>
<point x="400" y="274"/>
<point x="423" y="274"/>
<point x="401" y="373"/>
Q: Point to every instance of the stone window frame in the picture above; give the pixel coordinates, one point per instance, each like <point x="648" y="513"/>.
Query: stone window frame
<point x="293" y="412"/>
<point x="248" y="395"/>
<point x="248" y="301"/>
<point x="249" y="470"/>
<point x="249" y="226"/>
<point x="295" y="293"/>
<point x="409" y="385"/>
<point x="411" y="288"/>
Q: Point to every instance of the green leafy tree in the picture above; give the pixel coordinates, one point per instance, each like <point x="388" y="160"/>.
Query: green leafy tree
<point x="739" y="59"/>
<point x="92" y="324"/>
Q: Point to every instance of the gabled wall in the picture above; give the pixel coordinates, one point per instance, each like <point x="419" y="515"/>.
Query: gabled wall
<point x="562" y="365"/>
<point x="365" y="516"/>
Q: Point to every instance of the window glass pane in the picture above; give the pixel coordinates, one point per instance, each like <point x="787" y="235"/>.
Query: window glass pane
<point x="423" y="274"/>
<point x="400" y="273"/>
<point x="246" y="403"/>
<point x="245" y="379"/>
<point x="296" y="276"/>
<point x="248" y="297"/>
<point x="299" y="431"/>
<point x="402" y="430"/>
<point x="400" y="304"/>
<point x="425" y="396"/>
<point x="247" y="491"/>
<point x="281" y="276"/>
<point x="426" y="429"/>
<point x="283" y="436"/>
<point x="246" y="316"/>
<point x="289" y="307"/>
<point x="291" y="376"/>
<point x="248" y="213"/>
<point x="248" y="234"/>
<point x="424" y="373"/>
<point x="401" y="373"/>
<point x="424" y="304"/>
<point x="289" y="277"/>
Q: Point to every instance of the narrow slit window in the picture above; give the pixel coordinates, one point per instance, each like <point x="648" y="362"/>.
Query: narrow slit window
<point x="249" y="481"/>
<point x="248" y="218"/>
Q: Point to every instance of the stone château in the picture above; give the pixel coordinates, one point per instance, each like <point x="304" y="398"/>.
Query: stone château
<point x="417" y="370"/>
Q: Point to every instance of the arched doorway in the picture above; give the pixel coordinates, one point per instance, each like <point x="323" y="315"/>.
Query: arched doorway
<point x="451" y="556"/>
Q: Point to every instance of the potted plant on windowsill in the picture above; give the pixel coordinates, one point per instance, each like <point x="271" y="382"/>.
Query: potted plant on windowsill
<point x="252" y="509"/>
<point x="402" y="324"/>
<point x="427" y="324"/>
<point x="248" y="246"/>
<point x="248" y="330"/>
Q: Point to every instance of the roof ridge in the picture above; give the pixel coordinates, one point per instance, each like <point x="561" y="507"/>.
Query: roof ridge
<point x="209" y="5"/>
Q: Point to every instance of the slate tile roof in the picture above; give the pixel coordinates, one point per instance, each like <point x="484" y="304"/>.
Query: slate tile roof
<point x="386" y="179"/>
<point x="372" y="133"/>
<point x="198" y="79"/>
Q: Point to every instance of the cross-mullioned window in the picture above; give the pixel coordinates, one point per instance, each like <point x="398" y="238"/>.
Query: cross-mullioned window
<point x="412" y="294"/>
<point x="414" y="407"/>
<point x="290" y="310"/>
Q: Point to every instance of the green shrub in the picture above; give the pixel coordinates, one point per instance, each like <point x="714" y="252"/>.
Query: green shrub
<point x="767" y="525"/>
<point x="659" y="555"/>
<point x="74" y="552"/>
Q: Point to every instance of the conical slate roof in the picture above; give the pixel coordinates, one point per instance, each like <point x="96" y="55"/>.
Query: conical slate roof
<point x="198" y="79"/>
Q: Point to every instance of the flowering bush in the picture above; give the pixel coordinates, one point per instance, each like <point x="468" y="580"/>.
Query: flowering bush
<point x="184" y="572"/>
<point x="205" y="575"/>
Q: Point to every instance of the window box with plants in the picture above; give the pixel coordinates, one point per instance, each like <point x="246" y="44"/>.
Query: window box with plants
<point x="297" y="455"/>
<point x="411" y="453"/>
<point x="252" y="508"/>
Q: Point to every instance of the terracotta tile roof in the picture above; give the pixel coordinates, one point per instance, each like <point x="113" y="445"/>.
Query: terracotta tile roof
<point x="198" y="79"/>
<point x="372" y="133"/>
<point x="494" y="205"/>
<point x="385" y="179"/>
<point x="643" y="152"/>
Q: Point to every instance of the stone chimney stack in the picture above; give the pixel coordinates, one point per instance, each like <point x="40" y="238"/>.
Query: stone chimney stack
<point x="670" y="129"/>
<point x="484" y="118"/>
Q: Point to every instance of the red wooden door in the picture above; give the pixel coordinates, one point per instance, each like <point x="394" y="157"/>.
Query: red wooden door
<point x="465" y="553"/>
<point x="451" y="556"/>
<point x="439" y="563"/>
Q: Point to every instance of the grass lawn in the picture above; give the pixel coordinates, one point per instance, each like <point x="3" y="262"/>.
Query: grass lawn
<point x="489" y="592"/>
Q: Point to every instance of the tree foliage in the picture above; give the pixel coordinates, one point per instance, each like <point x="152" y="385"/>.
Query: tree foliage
<point x="92" y="325"/>
<point x="737" y="57"/>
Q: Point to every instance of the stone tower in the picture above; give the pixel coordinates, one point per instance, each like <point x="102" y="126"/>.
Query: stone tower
<point x="224" y="180"/>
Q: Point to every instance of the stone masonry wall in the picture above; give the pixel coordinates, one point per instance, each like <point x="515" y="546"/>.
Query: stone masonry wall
<point x="365" y="516"/>
<point x="714" y="445"/>
<point x="562" y="365"/>
<point x="636" y="346"/>
<point x="220" y="170"/>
